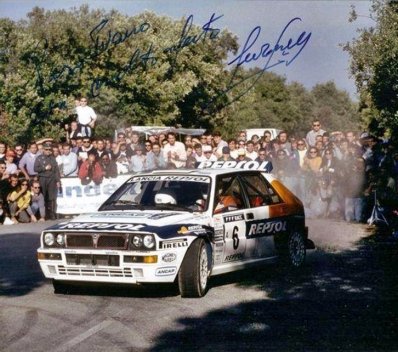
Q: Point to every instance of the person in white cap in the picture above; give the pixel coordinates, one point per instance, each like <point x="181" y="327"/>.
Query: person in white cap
<point x="208" y="153"/>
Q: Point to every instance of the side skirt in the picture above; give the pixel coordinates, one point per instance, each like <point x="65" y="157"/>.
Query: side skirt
<point x="234" y="266"/>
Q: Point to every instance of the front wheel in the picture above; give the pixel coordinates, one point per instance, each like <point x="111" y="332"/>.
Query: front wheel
<point x="194" y="272"/>
<point x="296" y="250"/>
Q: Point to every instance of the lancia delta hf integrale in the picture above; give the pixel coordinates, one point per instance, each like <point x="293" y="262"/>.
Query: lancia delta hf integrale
<point x="179" y="225"/>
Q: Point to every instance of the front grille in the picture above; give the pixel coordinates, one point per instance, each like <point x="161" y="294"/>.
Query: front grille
<point x="93" y="272"/>
<point x="79" y="241"/>
<point x="97" y="240"/>
<point x="112" y="242"/>
<point x="92" y="259"/>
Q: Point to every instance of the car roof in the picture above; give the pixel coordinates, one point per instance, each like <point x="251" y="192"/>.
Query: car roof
<point x="202" y="172"/>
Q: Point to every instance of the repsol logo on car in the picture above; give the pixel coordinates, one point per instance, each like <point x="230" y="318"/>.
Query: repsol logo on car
<point x="265" y="228"/>
<point x="173" y="244"/>
<point x="99" y="226"/>
<point x="232" y="218"/>
<point x="245" y="165"/>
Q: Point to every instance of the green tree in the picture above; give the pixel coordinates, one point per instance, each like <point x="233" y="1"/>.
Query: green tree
<point x="374" y="65"/>
<point x="334" y="108"/>
<point x="273" y="103"/>
<point x="145" y="69"/>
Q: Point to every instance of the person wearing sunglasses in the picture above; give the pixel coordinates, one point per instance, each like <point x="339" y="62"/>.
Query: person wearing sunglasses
<point x="36" y="209"/>
<point x="316" y="131"/>
<point x="19" y="153"/>
<point x="262" y="157"/>
<point x="82" y="152"/>
<point x="50" y="179"/>
<point x="312" y="161"/>
<point x="18" y="202"/>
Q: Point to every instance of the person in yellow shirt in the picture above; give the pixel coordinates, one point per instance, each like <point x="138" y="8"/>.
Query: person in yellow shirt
<point x="18" y="202"/>
<point x="312" y="162"/>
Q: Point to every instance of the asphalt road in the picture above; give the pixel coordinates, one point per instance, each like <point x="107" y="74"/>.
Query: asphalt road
<point x="344" y="299"/>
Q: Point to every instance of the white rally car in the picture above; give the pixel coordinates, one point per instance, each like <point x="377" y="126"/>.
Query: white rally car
<point x="178" y="225"/>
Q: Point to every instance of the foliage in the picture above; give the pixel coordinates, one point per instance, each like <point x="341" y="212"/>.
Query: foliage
<point x="144" y="70"/>
<point x="334" y="108"/>
<point x="374" y="64"/>
<point x="275" y="104"/>
<point x="136" y="70"/>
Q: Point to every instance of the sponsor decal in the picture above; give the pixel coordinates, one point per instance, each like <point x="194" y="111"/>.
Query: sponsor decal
<point x="173" y="244"/>
<point x="99" y="226"/>
<point x="245" y="165"/>
<point x="264" y="228"/>
<point x="196" y="229"/>
<point x="191" y="178"/>
<point x="169" y="257"/>
<point x="160" y="216"/>
<point x="232" y="218"/>
<point x="183" y="230"/>
<point x="233" y="257"/>
<point x="166" y="271"/>
<point x="121" y="215"/>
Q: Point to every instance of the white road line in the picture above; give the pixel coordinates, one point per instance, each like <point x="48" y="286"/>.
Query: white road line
<point x="85" y="335"/>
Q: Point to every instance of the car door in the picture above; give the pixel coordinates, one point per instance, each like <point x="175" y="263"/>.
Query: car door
<point x="231" y="218"/>
<point x="260" y="227"/>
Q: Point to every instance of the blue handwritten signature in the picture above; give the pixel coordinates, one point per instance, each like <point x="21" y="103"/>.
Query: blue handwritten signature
<point x="284" y="51"/>
<point x="187" y="39"/>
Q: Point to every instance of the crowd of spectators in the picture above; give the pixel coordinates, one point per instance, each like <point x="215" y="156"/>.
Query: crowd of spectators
<point x="336" y="175"/>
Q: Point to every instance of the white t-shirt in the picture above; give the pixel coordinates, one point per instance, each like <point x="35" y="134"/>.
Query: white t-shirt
<point x="177" y="149"/>
<point x="85" y="114"/>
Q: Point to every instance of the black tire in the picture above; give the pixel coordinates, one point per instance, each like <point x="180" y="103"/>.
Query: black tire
<point x="194" y="272"/>
<point x="296" y="250"/>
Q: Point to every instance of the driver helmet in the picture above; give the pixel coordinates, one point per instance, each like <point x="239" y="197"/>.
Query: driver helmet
<point x="166" y="196"/>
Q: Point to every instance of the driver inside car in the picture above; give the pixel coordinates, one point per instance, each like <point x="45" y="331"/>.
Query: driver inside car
<point x="226" y="203"/>
<point x="166" y="196"/>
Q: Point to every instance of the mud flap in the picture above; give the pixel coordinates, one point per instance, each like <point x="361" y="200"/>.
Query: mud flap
<point x="309" y="244"/>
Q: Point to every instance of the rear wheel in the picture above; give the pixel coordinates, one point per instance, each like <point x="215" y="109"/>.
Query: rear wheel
<point x="194" y="272"/>
<point x="296" y="250"/>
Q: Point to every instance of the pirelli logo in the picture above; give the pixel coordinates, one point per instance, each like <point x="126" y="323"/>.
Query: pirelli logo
<point x="265" y="228"/>
<point x="173" y="244"/>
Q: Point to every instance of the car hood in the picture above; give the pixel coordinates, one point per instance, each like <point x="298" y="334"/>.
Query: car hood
<point x="132" y="220"/>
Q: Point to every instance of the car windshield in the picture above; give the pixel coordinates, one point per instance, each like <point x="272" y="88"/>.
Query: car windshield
<point x="169" y="192"/>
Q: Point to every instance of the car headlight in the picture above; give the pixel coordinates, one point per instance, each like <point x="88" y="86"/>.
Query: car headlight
<point x="141" y="241"/>
<point x="137" y="241"/>
<point x="49" y="239"/>
<point x="60" y="239"/>
<point x="149" y="241"/>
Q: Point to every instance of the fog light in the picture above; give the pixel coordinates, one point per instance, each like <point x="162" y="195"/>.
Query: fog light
<point x="148" y="259"/>
<point x="49" y="256"/>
